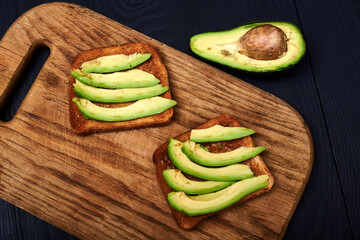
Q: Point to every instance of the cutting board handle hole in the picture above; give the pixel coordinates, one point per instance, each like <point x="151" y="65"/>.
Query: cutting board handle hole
<point x="24" y="79"/>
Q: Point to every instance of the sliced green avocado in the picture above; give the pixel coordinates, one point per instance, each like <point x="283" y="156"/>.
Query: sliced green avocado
<point x="177" y="181"/>
<point x="213" y="202"/>
<point x="197" y="154"/>
<point x="117" y="95"/>
<point x="219" y="133"/>
<point x="128" y="79"/>
<point x="141" y="108"/>
<point x="228" y="173"/>
<point x="208" y="196"/>
<point x="113" y="63"/>
<point x="241" y="49"/>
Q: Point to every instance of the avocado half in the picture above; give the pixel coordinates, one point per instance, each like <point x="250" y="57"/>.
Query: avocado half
<point x="280" y="46"/>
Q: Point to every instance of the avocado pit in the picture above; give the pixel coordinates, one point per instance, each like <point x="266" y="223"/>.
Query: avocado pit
<point x="265" y="42"/>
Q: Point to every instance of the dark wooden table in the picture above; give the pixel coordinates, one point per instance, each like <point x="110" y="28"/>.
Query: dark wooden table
<point x="324" y="88"/>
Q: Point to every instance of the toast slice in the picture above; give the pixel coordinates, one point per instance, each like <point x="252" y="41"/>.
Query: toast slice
<point x="154" y="65"/>
<point x="257" y="165"/>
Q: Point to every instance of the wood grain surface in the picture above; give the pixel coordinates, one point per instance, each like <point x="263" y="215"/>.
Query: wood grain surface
<point x="104" y="186"/>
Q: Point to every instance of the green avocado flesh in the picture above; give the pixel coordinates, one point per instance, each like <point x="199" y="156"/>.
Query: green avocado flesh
<point x="133" y="78"/>
<point x="116" y="95"/>
<point x="219" y="133"/>
<point x="113" y="63"/>
<point x="224" y="48"/>
<point x="141" y="108"/>
<point x="197" y="154"/>
<point x="228" y="173"/>
<point x="177" y="181"/>
<point x="213" y="202"/>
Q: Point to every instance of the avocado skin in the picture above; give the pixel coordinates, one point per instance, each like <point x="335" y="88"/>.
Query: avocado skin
<point x="223" y="198"/>
<point x="91" y="79"/>
<point x="97" y="66"/>
<point x="197" y="154"/>
<point x="141" y="108"/>
<point x="219" y="133"/>
<point x="247" y="67"/>
<point x="177" y="181"/>
<point x="227" y="173"/>
<point x="117" y="95"/>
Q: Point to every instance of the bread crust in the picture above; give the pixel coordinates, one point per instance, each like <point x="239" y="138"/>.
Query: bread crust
<point x="154" y="65"/>
<point x="257" y="165"/>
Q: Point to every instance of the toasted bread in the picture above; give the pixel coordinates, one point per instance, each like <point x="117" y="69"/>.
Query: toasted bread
<point x="257" y="165"/>
<point x="154" y="65"/>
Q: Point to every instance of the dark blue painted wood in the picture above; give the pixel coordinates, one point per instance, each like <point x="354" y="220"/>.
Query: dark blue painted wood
<point x="171" y="22"/>
<point x="331" y="27"/>
<point x="323" y="87"/>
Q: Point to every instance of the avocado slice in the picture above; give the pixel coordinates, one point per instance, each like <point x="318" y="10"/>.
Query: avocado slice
<point x="228" y="173"/>
<point x="116" y="95"/>
<point x="244" y="47"/>
<point x="218" y="133"/>
<point x="197" y="154"/>
<point x="208" y="196"/>
<point x="177" y="181"/>
<point x="213" y="202"/>
<point x="128" y="79"/>
<point x="141" y="108"/>
<point x="113" y="63"/>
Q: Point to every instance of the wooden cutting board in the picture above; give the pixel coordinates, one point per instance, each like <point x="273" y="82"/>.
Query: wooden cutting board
<point x="103" y="186"/>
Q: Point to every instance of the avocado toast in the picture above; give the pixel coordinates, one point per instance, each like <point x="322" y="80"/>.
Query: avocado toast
<point x="162" y="162"/>
<point x="83" y="125"/>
